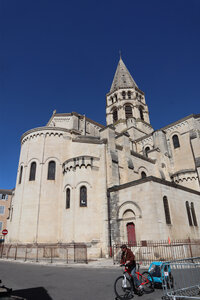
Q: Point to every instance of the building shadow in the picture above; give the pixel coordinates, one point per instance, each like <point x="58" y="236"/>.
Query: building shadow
<point x="38" y="293"/>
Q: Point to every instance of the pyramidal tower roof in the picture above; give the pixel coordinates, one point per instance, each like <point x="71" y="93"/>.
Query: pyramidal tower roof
<point x="122" y="78"/>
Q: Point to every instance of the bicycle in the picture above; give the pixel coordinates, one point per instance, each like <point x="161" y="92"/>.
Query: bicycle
<point x="124" y="285"/>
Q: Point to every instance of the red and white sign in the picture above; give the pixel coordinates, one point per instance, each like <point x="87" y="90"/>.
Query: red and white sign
<point x="4" y="231"/>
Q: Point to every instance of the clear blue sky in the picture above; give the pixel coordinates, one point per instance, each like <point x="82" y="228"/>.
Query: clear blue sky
<point x="63" y="55"/>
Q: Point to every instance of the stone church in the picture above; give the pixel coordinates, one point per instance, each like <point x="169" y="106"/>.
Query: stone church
<point x="79" y="181"/>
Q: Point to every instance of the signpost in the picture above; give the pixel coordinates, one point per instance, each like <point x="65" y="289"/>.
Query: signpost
<point x="4" y="232"/>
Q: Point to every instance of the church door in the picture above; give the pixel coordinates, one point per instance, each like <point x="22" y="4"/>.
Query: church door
<point x="131" y="233"/>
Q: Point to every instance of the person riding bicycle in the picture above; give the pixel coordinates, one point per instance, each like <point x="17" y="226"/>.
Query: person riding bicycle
<point x="128" y="258"/>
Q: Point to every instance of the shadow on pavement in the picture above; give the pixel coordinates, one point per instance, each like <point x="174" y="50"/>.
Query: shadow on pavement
<point x="38" y="293"/>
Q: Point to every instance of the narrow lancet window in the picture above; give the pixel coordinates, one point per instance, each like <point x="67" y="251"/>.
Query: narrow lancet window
<point x="115" y="115"/>
<point x="83" y="196"/>
<point x="188" y="213"/>
<point x="175" y="140"/>
<point x="128" y="111"/>
<point x="166" y="208"/>
<point x="146" y="151"/>
<point x="67" y="198"/>
<point x="141" y="113"/>
<point x="51" y="170"/>
<point x="20" y="174"/>
<point x="32" y="171"/>
<point x="143" y="174"/>
<point x="193" y="214"/>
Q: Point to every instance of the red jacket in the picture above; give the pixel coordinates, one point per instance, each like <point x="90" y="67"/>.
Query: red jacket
<point x="128" y="256"/>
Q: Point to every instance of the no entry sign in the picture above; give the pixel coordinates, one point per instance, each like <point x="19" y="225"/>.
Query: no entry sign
<point x="4" y="231"/>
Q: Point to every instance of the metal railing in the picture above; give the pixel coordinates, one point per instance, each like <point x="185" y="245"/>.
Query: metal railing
<point x="67" y="253"/>
<point x="149" y="251"/>
<point x="184" y="280"/>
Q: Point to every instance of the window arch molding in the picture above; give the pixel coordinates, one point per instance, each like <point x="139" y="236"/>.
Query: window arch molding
<point x="86" y="183"/>
<point x="146" y="148"/>
<point x="48" y="159"/>
<point x="128" y="103"/>
<point x="129" y="205"/>
<point x="142" y="169"/>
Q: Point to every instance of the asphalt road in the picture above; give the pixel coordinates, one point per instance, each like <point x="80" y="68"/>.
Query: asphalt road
<point x="34" y="281"/>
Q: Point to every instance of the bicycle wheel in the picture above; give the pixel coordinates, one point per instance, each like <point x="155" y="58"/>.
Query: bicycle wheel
<point x="147" y="282"/>
<point x="123" y="291"/>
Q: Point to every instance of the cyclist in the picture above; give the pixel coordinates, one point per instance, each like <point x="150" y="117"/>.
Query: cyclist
<point x="128" y="258"/>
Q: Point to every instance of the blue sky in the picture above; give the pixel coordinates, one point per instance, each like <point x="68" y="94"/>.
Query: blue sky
<point x="63" y="55"/>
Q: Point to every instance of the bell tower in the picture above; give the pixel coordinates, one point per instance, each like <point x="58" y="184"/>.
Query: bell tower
<point x="126" y="108"/>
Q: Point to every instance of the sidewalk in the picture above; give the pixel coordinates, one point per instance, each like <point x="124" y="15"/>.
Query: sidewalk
<point x="98" y="263"/>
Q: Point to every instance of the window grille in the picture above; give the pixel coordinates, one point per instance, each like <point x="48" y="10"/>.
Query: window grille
<point x="166" y="208"/>
<point x="83" y="196"/>
<point x="51" y="170"/>
<point x="1" y="226"/>
<point x="175" y="140"/>
<point x="67" y="198"/>
<point x="20" y="174"/>
<point x="32" y="171"/>
<point x="128" y="111"/>
<point x="188" y="213"/>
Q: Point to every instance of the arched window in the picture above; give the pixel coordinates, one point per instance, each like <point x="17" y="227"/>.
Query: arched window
<point x="111" y="98"/>
<point x="67" y="198"/>
<point x="141" y="113"/>
<point x="51" y="170"/>
<point x="175" y="141"/>
<point x="193" y="214"/>
<point x="166" y="208"/>
<point x="115" y="97"/>
<point x="124" y="95"/>
<point x="83" y="196"/>
<point x="32" y="171"/>
<point x="143" y="174"/>
<point x="20" y="174"/>
<point x="128" y="111"/>
<point x="146" y="150"/>
<point x="115" y="115"/>
<point x="129" y="94"/>
<point x="188" y="213"/>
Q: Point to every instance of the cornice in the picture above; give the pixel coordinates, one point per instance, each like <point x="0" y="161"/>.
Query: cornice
<point x="153" y="179"/>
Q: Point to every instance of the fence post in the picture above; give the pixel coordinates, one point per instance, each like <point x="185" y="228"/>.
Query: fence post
<point x="86" y="254"/>
<point x="37" y="254"/>
<point x="51" y="255"/>
<point x="190" y="247"/>
<point x="25" y="254"/>
<point x="16" y="252"/>
<point x="67" y="254"/>
<point x="74" y="253"/>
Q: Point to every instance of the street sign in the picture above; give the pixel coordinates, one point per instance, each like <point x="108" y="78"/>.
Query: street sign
<point x="4" y="231"/>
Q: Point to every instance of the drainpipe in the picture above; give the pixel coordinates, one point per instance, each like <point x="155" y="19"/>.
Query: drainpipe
<point x="109" y="224"/>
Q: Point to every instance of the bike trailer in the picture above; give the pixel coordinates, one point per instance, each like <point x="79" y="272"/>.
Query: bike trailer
<point x="157" y="274"/>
